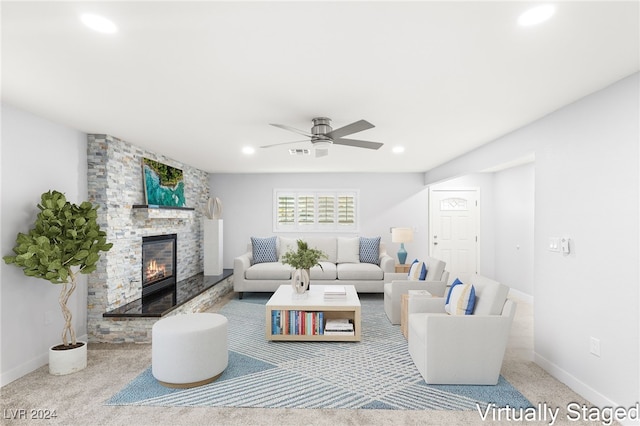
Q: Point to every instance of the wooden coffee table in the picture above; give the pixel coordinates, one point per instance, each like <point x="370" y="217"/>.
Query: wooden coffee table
<point x="285" y="300"/>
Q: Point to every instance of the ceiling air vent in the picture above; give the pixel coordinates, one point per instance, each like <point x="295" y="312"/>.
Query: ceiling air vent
<point x="300" y="151"/>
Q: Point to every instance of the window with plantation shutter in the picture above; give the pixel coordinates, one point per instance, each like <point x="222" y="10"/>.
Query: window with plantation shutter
<point x="326" y="209"/>
<point x="346" y="210"/>
<point x="306" y="210"/>
<point x="315" y="210"/>
<point x="286" y="210"/>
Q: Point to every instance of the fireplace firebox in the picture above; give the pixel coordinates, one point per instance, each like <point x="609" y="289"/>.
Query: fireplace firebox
<point x="159" y="264"/>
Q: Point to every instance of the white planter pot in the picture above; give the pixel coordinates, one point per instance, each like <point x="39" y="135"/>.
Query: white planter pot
<point x="67" y="361"/>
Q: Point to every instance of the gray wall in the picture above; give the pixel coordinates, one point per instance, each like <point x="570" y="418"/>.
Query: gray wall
<point x="514" y="204"/>
<point x="37" y="156"/>
<point x="386" y="200"/>
<point x="587" y="188"/>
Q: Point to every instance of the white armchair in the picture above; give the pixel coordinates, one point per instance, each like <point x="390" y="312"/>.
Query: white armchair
<point x="435" y="283"/>
<point x="461" y="349"/>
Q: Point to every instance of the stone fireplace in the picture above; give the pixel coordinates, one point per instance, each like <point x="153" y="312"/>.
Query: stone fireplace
<point x="115" y="183"/>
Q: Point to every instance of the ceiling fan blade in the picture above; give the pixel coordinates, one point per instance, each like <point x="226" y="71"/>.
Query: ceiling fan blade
<point x="292" y="129"/>
<point x="355" y="127"/>
<point x="283" y="143"/>
<point x="358" y="143"/>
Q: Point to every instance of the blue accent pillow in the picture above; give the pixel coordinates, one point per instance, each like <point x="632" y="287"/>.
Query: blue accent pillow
<point x="417" y="271"/>
<point x="264" y="250"/>
<point x="461" y="299"/>
<point x="454" y="283"/>
<point x="370" y="250"/>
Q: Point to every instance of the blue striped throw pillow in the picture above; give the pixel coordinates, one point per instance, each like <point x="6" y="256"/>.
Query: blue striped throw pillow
<point x="417" y="271"/>
<point x="461" y="299"/>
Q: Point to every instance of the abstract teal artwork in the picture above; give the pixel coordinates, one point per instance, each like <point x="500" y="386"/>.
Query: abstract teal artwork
<point x="163" y="185"/>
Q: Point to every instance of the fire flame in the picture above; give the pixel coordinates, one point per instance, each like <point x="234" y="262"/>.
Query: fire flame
<point x="155" y="271"/>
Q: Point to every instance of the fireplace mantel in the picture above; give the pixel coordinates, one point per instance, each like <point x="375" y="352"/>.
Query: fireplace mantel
<point x="163" y="212"/>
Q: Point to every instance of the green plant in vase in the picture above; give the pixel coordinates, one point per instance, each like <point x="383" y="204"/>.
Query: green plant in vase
<point x="302" y="260"/>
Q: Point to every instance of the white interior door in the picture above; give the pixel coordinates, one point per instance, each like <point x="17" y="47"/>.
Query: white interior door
<point x="454" y="219"/>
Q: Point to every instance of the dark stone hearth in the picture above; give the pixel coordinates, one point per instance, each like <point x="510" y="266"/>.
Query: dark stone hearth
<point x="163" y="303"/>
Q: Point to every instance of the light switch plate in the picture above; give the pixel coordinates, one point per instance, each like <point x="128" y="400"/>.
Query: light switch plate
<point x="554" y="244"/>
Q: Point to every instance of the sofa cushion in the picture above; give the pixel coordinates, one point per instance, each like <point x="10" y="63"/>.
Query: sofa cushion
<point x="348" y="250"/>
<point x="286" y="244"/>
<point x="359" y="271"/>
<point x="264" y="249"/>
<point x="460" y="299"/>
<point x="327" y="244"/>
<point x="417" y="271"/>
<point x="370" y="250"/>
<point x="268" y="271"/>
<point x="327" y="272"/>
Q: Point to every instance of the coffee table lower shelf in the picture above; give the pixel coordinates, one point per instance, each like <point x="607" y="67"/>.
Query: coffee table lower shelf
<point x="349" y="308"/>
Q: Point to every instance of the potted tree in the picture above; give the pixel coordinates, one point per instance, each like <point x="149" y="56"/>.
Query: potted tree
<point x="65" y="241"/>
<point x="302" y="260"/>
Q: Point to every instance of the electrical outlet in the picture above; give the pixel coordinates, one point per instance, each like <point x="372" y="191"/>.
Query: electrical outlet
<point x="594" y="346"/>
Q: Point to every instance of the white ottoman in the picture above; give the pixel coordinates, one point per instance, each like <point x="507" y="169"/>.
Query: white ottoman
<point x="189" y="350"/>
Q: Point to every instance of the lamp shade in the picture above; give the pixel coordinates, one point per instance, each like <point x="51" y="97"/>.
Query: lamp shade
<point x="401" y="235"/>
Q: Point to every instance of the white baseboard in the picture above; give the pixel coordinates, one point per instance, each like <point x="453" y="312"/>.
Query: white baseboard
<point x="24" y="369"/>
<point x="581" y="388"/>
<point x="29" y="366"/>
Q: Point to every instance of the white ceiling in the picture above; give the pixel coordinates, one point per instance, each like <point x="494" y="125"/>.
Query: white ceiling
<point x="198" y="81"/>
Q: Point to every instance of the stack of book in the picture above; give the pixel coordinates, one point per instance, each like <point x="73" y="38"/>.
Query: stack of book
<point x="339" y="327"/>
<point x="300" y="323"/>
<point x="333" y="292"/>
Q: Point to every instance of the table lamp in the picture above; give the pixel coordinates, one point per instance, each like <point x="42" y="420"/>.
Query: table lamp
<point x="402" y="235"/>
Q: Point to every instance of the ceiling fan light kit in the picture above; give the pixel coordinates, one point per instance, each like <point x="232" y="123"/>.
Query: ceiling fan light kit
<point x="322" y="135"/>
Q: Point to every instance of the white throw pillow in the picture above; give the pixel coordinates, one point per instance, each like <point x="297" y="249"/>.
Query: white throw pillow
<point x="348" y="250"/>
<point x="286" y="244"/>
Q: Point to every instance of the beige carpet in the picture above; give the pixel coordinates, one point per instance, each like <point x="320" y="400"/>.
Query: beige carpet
<point x="78" y="398"/>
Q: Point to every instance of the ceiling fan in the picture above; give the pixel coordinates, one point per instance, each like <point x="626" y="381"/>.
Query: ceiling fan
<point x="322" y="135"/>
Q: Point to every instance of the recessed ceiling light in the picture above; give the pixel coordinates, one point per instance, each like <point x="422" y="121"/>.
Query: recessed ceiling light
<point x="536" y="15"/>
<point x="248" y="150"/>
<point x="98" y="23"/>
<point x="398" y="149"/>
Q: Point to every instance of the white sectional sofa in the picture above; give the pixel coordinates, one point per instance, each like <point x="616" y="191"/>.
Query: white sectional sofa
<point x="346" y="264"/>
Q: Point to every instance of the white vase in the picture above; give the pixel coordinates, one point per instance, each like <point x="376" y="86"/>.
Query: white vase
<point x="67" y="361"/>
<point x="300" y="281"/>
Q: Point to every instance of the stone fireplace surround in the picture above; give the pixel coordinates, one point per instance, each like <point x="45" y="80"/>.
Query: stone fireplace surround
<point x="115" y="183"/>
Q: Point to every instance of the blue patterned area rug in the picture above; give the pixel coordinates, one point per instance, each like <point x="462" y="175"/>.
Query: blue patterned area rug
<point x="374" y="373"/>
